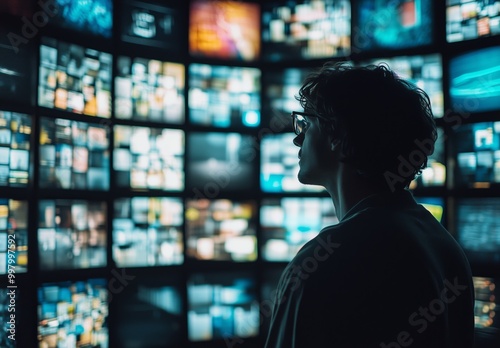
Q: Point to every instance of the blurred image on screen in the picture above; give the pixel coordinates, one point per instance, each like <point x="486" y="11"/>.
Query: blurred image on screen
<point x="486" y="309"/>
<point x="74" y="78"/>
<point x="73" y="155"/>
<point x="470" y="19"/>
<point x="289" y="223"/>
<point x="393" y="24"/>
<point x="13" y="236"/>
<point x="149" y="90"/>
<point x="147" y="231"/>
<point x="306" y="29"/>
<point x="222" y="305"/>
<point x="224" y="29"/>
<point x="149" y="312"/>
<point x="72" y="234"/>
<point x="435" y="172"/>
<point x="477" y="148"/>
<point x="16" y="64"/>
<point x="435" y="205"/>
<point x="15" y="159"/>
<point x="280" y="165"/>
<point x="220" y="162"/>
<point x="221" y="230"/>
<point x="73" y="314"/>
<point x="280" y="88"/>
<point x="478" y="229"/>
<point x="473" y="80"/>
<point x="152" y="23"/>
<point x="223" y="96"/>
<point x="86" y="16"/>
<point x="148" y="158"/>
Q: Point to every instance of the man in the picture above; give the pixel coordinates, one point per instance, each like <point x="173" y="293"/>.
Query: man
<point x="388" y="274"/>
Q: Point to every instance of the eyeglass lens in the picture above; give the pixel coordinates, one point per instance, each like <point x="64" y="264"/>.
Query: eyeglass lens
<point x="299" y="124"/>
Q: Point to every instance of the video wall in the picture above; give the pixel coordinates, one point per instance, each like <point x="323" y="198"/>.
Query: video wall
<point x="147" y="165"/>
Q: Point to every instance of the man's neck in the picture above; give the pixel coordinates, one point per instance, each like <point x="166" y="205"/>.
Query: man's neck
<point x="348" y="190"/>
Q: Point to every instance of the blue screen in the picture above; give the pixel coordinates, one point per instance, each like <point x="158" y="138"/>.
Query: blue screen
<point x="88" y="16"/>
<point x="478" y="154"/>
<point x="223" y="96"/>
<point x="393" y="24"/>
<point x="289" y="223"/>
<point x="474" y="80"/>
<point x="478" y="229"/>
<point x="222" y="305"/>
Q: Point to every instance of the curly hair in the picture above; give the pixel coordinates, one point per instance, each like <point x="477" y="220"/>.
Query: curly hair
<point x="382" y="122"/>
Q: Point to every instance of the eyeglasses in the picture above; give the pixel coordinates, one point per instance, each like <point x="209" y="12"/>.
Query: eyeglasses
<point x="299" y="122"/>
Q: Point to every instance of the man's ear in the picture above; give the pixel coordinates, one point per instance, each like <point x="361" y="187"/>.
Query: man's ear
<point x="334" y="143"/>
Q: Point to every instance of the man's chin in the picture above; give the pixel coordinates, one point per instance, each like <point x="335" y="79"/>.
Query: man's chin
<point x="305" y="179"/>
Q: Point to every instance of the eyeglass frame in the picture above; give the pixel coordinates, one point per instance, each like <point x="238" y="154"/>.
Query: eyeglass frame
<point x="295" y="123"/>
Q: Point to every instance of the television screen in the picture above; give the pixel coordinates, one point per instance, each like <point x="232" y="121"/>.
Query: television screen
<point x="477" y="151"/>
<point x="280" y="88"/>
<point x="73" y="155"/>
<point x="147" y="231"/>
<point x="486" y="309"/>
<point x="86" y="16"/>
<point x="149" y="312"/>
<point x="289" y="223"/>
<point x="470" y="19"/>
<point x="279" y="165"/>
<point x="149" y="90"/>
<point x="224" y="29"/>
<point x="17" y="66"/>
<point x="221" y="306"/>
<point x="435" y="172"/>
<point x="220" y="162"/>
<point x="473" y="80"/>
<point x="73" y="314"/>
<point x="152" y="23"/>
<point x="223" y="96"/>
<point x="435" y="205"/>
<point x="478" y="229"/>
<point x="393" y="24"/>
<point x="13" y="236"/>
<point x="71" y="234"/>
<point x="74" y="78"/>
<point x="15" y="155"/>
<point x="424" y="71"/>
<point x="221" y="230"/>
<point x="149" y="158"/>
<point x="306" y="29"/>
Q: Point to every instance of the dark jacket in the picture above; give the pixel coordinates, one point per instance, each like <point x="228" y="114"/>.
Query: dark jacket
<point x="388" y="275"/>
